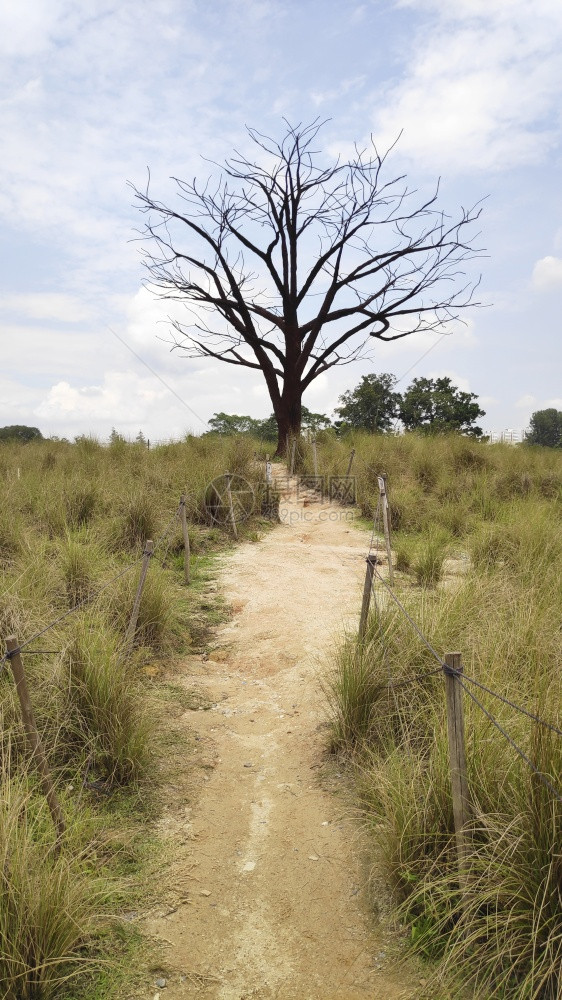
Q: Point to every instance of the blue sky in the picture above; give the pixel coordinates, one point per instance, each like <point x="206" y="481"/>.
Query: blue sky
<point x="91" y="94"/>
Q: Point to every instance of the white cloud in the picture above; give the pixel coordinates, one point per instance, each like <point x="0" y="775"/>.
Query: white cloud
<point x="25" y="25"/>
<point x="47" y="306"/>
<point x="352" y="84"/>
<point x="547" y="274"/>
<point x="532" y="403"/>
<point x="122" y="396"/>
<point x="482" y="88"/>
<point x="526" y="402"/>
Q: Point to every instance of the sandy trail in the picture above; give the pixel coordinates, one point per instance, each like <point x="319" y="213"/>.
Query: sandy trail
<point x="277" y="907"/>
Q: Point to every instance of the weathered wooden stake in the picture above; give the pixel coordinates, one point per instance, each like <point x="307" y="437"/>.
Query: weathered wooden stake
<point x="129" y="638"/>
<point x="367" y="591"/>
<point x="293" y="450"/>
<point x="34" y="738"/>
<point x="351" y="457"/>
<point x="314" y="457"/>
<point x="459" y="783"/>
<point x="185" y="533"/>
<point x="386" y="525"/>
<point x="228" y="477"/>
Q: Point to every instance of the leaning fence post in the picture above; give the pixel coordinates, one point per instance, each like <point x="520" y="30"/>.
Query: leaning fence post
<point x="367" y="591"/>
<point x="459" y="783"/>
<point x="185" y="533"/>
<point x="351" y="457"/>
<point x="386" y="525"/>
<point x="228" y="477"/>
<point x="314" y="458"/>
<point x="129" y="638"/>
<point x="34" y="738"/>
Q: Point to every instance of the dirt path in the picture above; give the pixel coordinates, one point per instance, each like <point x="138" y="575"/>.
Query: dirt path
<point x="277" y="906"/>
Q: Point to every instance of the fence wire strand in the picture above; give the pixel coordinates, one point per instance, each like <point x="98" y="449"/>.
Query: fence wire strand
<point x="169" y="526"/>
<point x="511" y="742"/>
<point x="85" y="600"/>
<point x="518" y="708"/>
<point x="461" y="677"/>
<point x="89" y="599"/>
<point x="410" y="619"/>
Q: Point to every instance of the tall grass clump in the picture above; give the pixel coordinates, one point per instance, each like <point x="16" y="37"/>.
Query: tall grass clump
<point x="49" y="902"/>
<point x="430" y="557"/>
<point x="107" y="722"/>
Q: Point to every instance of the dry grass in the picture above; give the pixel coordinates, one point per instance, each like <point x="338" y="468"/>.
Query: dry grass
<point x="75" y="519"/>
<point x="504" y="937"/>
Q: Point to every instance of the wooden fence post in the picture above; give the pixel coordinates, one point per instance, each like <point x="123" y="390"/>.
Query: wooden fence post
<point x="129" y="638"/>
<point x="351" y="457"/>
<point x="386" y="524"/>
<point x="314" y="458"/>
<point x="459" y="783"/>
<point x="228" y="477"/>
<point x="185" y="533"/>
<point x="293" y="450"/>
<point x="34" y="738"/>
<point x="367" y="591"/>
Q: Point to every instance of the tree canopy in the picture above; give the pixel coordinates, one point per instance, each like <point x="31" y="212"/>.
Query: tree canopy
<point x="20" y="432"/>
<point x="546" y="428"/>
<point x="288" y="265"/>
<point x="266" y="429"/>
<point x="436" y="406"/>
<point x="372" y="405"/>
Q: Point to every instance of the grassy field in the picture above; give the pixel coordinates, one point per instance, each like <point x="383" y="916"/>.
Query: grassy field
<point x="73" y="523"/>
<point x="496" y="510"/>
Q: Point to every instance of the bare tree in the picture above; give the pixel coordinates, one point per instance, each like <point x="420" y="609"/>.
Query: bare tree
<point x="290" y="267"/>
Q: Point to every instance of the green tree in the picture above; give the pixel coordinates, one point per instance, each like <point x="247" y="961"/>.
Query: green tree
<point x="266" y="428"/>
<point x="116" y="440"/>
<point x="546" y="428"/>
<point x="231" y="423"/>
<point x="372" y="405"/>
<point x="436" y="406"/>
<point x="313" y="421"/>
<point x="19" y="432"/>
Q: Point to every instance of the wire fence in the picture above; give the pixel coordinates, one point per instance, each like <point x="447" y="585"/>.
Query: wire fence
<point x="461" y="676"/>
<point x="92" y="598"/>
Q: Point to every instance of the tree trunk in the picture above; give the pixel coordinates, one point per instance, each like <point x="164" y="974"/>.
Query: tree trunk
<point x="288" y="415"/>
